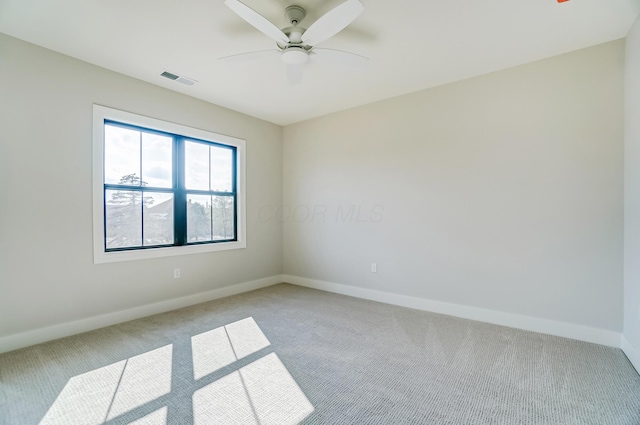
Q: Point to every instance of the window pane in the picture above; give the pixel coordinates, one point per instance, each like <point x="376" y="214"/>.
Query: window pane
<point x="157" y="160"/>
<point x="223" y="218"/>
<point x="221" y="169"/>
<point x="196" y="171"/>
<point x="123" y="218"/>
<point x="158" y="218"/>
<point x="121" y="154"/>
<point x="198" y="218"/>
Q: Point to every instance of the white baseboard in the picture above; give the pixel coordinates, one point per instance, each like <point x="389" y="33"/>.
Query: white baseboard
<point x="633" y="354"/>
<point x="567" y="330"/>
<point x="551" y="327"/>
<point x="36" y="336"/>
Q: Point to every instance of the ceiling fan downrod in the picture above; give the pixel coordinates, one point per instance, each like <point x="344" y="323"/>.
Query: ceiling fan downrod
<point x="294" y="14"/>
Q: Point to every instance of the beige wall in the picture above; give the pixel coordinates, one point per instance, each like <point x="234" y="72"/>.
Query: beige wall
<point x="502" y="192"/>
<point x="47" y="275"/>
<point x="632" y="196"/>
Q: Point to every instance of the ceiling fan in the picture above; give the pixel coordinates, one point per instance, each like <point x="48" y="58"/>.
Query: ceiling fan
<point x="296" y="44"/>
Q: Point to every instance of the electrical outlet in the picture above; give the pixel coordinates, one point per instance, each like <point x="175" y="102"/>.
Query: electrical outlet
<point x="374" y="268"/>
<point x="176" y="273"/>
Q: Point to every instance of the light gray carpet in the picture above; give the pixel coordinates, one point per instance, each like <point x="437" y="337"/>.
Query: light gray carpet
<point x="286" y="355"/>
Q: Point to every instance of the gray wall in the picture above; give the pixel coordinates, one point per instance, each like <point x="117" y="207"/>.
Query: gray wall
<point x="503" y="192"/>
<point x="632" y="194"/>
<point x="47" y="275"/>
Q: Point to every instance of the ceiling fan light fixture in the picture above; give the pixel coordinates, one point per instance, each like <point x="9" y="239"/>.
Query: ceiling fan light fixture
<point x="295" y="56"/>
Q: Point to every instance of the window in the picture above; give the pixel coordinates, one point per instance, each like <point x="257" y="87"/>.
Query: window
<point x="164" y="189"/>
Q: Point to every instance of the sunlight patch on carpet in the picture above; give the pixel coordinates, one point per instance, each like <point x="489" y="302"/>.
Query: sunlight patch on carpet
<point x="261" y="393"/>
<point x="105" y="393"/>
<point x="219" y="347"/>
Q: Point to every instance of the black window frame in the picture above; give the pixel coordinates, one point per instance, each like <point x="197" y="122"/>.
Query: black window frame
<point x="178" y="189"/>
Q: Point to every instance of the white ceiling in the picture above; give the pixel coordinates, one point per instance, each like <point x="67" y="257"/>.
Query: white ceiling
<point x="412" y="44"/>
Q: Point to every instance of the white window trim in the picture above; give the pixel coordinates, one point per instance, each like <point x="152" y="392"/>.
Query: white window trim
<point x="100" y="113"/>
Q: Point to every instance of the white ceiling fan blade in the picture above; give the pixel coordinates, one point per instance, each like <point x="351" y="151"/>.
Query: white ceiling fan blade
<point x="339" y="57"/>
<point x="248" y="56"/>
<point x="332" y="22"/>
<point x="294" y="74"/>
<point x="257" y="20"/>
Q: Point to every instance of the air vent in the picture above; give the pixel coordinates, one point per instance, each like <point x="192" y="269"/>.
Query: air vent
<point x="169" y="75"/>
<point x="178" y="78"/>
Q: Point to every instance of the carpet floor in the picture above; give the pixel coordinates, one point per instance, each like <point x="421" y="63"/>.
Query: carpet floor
<point x="287" y="355"/>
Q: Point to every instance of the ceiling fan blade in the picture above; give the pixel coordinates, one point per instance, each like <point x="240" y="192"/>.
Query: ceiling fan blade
<point x="339" y="57"/>
<point x="332" y="22"/>
<point x="294" y="74"/>
<point x="257" y="20"/>
<point x="248" y="56"/>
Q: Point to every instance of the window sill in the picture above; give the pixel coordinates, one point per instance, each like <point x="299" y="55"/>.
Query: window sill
<point x="170" y="251"/>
